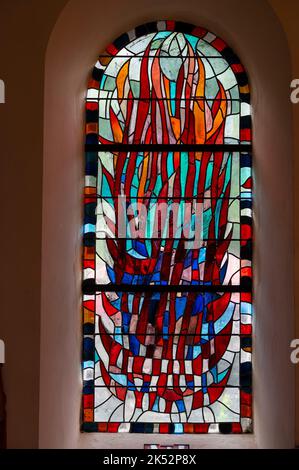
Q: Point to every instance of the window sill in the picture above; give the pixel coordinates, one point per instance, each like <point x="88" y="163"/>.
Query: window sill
<point x="137" y="441"/>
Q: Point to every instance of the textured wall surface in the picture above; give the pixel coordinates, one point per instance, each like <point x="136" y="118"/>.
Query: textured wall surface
<point x="80" y="34"/>
<point x="288" y="14"/>
<point x="48" y="338"/>
<point x="25" y="26"/>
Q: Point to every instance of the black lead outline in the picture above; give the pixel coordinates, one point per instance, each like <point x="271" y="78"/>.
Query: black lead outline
<point x="89" y="287"/>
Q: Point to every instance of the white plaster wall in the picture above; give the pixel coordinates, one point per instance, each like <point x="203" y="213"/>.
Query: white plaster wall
<point x="84" y="28"/>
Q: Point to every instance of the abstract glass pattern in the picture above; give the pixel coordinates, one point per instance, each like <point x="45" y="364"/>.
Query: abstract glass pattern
<point x="167" y="298"/>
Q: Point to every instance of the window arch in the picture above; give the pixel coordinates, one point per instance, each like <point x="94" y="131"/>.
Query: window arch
<point x="167" y="236"/>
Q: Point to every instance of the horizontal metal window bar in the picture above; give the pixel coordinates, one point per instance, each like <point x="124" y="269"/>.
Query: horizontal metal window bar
<point x="155" y="387"/>
<point x="202" y="240"/>
<point x="153" y="197"/>
<point x="165" y="288"/>
<point x="248" y="335"/>
<point x="182" y="56"/>
<point x="119" y="147"/>
<point x="151" y="98"/>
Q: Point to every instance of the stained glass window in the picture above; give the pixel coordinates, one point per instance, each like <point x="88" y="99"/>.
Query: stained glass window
<point x="167" y="298"/>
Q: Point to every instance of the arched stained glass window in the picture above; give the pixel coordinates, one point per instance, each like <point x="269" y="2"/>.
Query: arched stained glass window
<point x="167" y="236"/>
